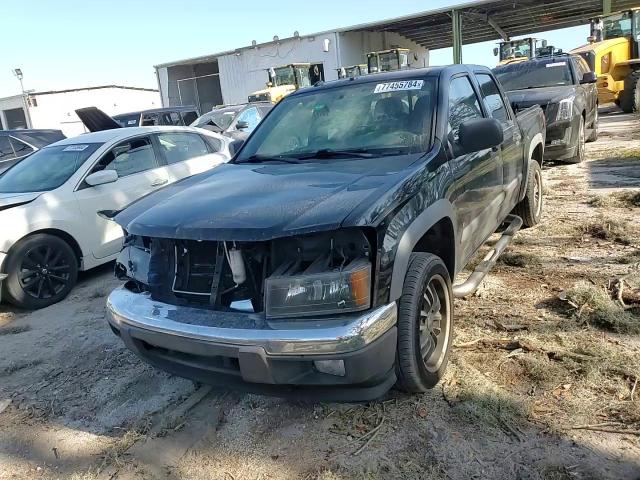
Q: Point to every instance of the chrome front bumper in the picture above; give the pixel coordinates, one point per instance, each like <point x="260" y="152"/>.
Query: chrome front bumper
<point x="306" y="336"/>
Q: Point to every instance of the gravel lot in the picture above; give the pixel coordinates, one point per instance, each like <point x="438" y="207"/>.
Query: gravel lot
<point x="542" y="383"/>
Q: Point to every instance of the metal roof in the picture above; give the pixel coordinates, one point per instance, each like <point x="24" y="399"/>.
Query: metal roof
<point x="492" y="19"/>
<point x="482" y="20"/>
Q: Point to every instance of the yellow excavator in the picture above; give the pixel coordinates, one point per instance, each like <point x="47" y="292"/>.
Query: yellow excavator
<point x="388" y="60"/>
<point x="521" y="50"/>
<point x="282" y="81"/>
<point x="612" y="53"/>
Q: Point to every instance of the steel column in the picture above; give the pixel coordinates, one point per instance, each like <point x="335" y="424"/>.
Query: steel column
<point x="456" y="20"/>
<point x="606" y="7"/>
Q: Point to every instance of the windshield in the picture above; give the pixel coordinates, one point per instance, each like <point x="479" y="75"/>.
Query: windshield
<point x="132" y="120"/>
<point x="535" y="74"/>
<point x="383" y="118"/>
<point x="616" y="26"/>
<point x="220" y="118"/>
<point x="515" y="49"/>
<point x="46" y="169"/>
<point x="284" y="76"/>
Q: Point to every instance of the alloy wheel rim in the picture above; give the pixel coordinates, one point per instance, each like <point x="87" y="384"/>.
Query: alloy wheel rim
<point x="537" y="193"/>
<point x="44" y="272"/>
<point x="434" y="320"/>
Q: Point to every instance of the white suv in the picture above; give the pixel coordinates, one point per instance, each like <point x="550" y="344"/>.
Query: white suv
<point x="55" y="204"/>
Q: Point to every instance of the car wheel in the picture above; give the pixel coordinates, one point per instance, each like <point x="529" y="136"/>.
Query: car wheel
<point x="580" y="147"/>
<point x="425" y="324"/>
<point x="530" y="208"/>
<point x="629" y="99"/>
<point x="593" y="136"/>
<point x="42" y="269"/>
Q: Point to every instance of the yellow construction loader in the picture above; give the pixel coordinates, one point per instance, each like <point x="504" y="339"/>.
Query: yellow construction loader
<point x="521" y="50"/>
<point x="612" y="53"/>
<point x="282" y="81"/>
<point x="388" y="60"/>
<point x="353" y="71"/>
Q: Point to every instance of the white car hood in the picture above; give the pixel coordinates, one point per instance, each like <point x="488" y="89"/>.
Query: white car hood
<point x="8" y="200"/>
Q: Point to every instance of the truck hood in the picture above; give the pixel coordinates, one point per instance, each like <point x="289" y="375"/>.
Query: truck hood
<point x="540" y="96"/>
<point x="8" y="200"/>
<point x="96" y="120"/>
<point x="252" y="202"/>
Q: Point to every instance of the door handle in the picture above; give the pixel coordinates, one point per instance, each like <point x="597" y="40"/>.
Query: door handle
<point x="158" y="182"/>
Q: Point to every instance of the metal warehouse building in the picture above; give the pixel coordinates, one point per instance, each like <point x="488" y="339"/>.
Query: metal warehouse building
<point x="228" y="77"/>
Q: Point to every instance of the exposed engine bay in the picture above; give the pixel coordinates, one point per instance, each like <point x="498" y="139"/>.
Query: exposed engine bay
<point x="298" y="276"/>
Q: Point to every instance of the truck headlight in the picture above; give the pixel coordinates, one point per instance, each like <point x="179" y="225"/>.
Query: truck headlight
<point x="339" y="291"/>
<point x="565" y="109"/>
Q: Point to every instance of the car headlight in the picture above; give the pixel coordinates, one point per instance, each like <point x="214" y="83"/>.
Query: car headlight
<point x="340" y="291"/>
<point x="565" y="109"/>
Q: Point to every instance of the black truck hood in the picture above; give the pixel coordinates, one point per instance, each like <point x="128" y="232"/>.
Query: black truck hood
<point x="522" y="99"/>
<point x="250" y="202"/>
<point x="96" y="120"/>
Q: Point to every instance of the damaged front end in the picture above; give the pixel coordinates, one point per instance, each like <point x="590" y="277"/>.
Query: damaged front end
<point x="323" y="274"/>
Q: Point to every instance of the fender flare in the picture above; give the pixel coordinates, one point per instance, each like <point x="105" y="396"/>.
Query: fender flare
<point x="538" y="139"/>
<point x="421" y="224"/>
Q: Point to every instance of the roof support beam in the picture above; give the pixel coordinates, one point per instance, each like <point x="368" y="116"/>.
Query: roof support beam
<point x="491" y="21"/>
<point x="456" y="19"/>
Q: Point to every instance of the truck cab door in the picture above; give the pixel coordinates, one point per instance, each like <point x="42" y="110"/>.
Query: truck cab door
<point x="511" y="149"/>
<point x="478" y="177"/>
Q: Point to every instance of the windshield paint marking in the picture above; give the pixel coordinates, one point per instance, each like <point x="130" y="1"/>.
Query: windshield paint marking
<point x="395" y="86"/>
<point x="75" y="148"/>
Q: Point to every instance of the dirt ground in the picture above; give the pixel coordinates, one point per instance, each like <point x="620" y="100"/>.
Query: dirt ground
<point x="542" y="382"/>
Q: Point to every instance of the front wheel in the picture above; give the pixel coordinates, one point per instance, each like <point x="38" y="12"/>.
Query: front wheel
<point x="593" y="136"/>
<point x="580" y="148"/>
<point x="42" y="269"/>
<point x="425" y="324"/>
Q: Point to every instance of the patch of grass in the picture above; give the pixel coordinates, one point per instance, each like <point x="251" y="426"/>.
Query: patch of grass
<point x="21" y="365"/>
<point x="606" y="228"/>
<point x="13" y="330"/>
<point x="599" y="201"/>
<point x="594" y="305"/>
<point x="556" y="473"/>
<point x="520" y="260"/>
<point x="542" y="371"/>
<point x="629" y="258"/>
<point x="629" y="199"/>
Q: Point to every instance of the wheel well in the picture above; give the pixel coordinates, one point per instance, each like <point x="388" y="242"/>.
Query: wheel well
<point x="63" y="236"/>
<point x="432" y="242"/>
<point x="538" y="154"/>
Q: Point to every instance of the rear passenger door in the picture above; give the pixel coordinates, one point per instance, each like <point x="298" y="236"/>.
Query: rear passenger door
<point x="139" y="173"/>
<point x="477" y="194"/>
<point x="511" y="149"/>
<point x="187" y="153"/>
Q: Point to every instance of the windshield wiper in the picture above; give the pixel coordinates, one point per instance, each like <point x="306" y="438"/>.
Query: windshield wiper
<point x="264" y="158"/>
<point x="330" y="153"/>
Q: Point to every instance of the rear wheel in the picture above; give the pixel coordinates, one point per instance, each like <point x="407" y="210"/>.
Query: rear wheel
<point x="530" y="208"/>
<point x="593" y="136"/>
<point x="42" y="269"/>
<point x="425" y="324"/>
<point x="580" y="148"/>
<point x="630" y="96"/>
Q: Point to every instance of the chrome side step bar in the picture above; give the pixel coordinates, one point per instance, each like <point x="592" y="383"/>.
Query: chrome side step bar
<point x="471" y="284"/>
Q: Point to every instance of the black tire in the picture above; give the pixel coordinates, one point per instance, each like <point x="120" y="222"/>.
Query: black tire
<point x="630" y="96"/>
<point x="422" y="320"/>
<point x="580" y="142"/>
<point x="530" y="208"/>
<point x="42" y="269"/>
<point x="593" y="136"/>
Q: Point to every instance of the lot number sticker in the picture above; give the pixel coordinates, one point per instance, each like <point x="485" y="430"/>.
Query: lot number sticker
<point x="556" y="64"/>
<point x="395" y="86"/>
<point x="75" y="148"/>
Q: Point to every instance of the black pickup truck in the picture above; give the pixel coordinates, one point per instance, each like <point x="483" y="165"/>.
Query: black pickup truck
<point x="319" y="262"/>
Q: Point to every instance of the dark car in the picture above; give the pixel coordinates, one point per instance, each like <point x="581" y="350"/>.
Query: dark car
<point x="320" y="261"/>
<point x="565" y="88"/>
<point x="235" y="121"/>
<point x="176" y="116"/>
<point x="17" y="144"/>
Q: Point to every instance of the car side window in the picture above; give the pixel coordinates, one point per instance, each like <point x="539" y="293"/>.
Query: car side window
<point x="463" y="105"/>
<point x="178" y="146"/>
<point x="6" y="152"/>
<point x="171" y="118"/>
<point x="21" y="148"/>
<point x="149" y="120"/>
<point x="581" y="68"/>
<point x="189" y="117"/>
<point x="133" y="156"/>
<point x="492" y="98"/>
<point x="214" y="143"/>
<point x="251" y="116"/>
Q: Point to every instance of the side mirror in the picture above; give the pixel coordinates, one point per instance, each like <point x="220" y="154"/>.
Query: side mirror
<point x="235" y="146"/>
<point x="479" y="134"/>
<point x="101" y="177"/>
<point x="496" y="52"/>
<point x="589" y="77"/>
<point x="242" y="125"/>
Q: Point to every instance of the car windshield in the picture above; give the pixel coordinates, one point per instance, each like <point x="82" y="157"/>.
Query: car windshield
<point x="372" y="118"/>
<point x="221" y="118"/>
<point x="132" y="120"/>
<point x="536" y="74"/>
<point x="46" y="169"/>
